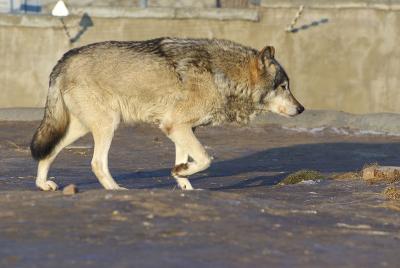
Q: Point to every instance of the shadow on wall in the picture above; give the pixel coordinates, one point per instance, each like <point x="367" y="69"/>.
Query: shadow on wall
<point x="84" y="23"/>
<point x="324" y="157"/>
<point x="310" y="25"/>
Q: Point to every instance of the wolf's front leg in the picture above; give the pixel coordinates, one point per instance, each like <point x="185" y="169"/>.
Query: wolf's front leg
<point x="181" y="155"/>
<point x="184" y="139"/>
<point x="181" y="158"/>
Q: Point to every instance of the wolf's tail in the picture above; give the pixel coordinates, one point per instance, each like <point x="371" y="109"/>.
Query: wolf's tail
<point x="53" y="126"/>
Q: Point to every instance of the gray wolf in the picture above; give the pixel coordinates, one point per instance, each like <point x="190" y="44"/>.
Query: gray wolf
<point x="178" y="84"/>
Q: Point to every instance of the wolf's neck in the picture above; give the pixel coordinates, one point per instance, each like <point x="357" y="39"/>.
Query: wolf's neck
<point x="238" y="98"/>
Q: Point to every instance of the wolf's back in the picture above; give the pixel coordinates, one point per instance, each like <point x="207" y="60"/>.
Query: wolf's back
<point x="53" y="126"/>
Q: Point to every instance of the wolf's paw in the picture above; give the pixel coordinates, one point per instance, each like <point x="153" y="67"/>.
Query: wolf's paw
<point x="47" y="186"/>
<point x="117" y="188"/>
<point x="120" y="188"/>
<point x="183" y="183"/>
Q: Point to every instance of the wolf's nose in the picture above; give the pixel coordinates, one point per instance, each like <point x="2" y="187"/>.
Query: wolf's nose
<point x="300" y="109"/>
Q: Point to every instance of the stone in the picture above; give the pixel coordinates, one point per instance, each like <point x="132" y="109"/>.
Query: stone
<point x="368" y="173"/>
<point x="381" y="173"/>
<point x="70" y="189"/>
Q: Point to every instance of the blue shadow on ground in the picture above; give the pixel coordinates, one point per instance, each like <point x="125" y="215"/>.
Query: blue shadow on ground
<point x="324" y="157"/>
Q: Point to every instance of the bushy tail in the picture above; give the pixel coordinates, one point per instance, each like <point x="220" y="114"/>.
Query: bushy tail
<point x="53" y="126"/>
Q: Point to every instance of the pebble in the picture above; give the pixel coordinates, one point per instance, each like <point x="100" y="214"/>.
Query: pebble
<point x="115" y="212"/>
<point x="70" y="189"/>
<point x="147" y="224"/>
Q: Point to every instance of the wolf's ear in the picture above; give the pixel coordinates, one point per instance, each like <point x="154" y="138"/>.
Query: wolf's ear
<point x="268" y="53"/>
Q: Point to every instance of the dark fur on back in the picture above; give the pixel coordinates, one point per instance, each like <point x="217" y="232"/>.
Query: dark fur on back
<point x="150" y="46"/>
<point x="180" y="54"/>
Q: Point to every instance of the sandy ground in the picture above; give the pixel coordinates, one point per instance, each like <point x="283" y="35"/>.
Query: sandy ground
<point x="240" y="219"/>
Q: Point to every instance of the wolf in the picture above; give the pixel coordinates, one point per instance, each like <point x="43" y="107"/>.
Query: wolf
<point x="177" y="84"/>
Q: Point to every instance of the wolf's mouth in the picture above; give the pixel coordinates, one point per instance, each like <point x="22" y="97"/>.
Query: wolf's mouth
<point x="283" y="114"/>
<point x="286" y="115"/>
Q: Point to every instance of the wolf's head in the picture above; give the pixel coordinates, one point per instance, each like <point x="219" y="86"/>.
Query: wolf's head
<point x="276" y="95"/>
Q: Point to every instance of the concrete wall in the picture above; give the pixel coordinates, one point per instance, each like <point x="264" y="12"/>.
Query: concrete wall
<point x="348" y="62"/>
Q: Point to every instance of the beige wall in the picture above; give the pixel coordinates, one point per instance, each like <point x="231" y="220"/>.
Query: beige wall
<point x="351" y="63"/>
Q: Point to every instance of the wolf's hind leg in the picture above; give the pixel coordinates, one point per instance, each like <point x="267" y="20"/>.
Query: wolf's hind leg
<point x="75" y="130"/>
<point x="102" y="141"/>
<point x="184" y="138"/>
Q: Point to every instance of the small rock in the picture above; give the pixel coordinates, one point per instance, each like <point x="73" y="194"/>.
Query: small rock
<point x="70" y="189"/>
<point x="381" y="173"/>
<point x="392" y="193"/>
<point x="368" y="173"/>
<point x="116" y="215"/>
<point x="115" y="212"/>
<point x="147" y="224"/>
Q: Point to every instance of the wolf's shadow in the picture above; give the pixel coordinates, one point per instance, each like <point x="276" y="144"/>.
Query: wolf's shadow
<point x="266" y="168"/>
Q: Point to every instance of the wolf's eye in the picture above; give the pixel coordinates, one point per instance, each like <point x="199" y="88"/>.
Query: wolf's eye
<point x="284" y="86"/>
